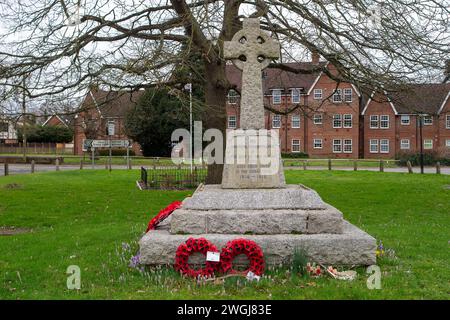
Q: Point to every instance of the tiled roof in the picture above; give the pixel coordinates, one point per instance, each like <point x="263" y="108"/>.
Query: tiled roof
<point x="420" y="98"/>
<point x="112" y="103"/>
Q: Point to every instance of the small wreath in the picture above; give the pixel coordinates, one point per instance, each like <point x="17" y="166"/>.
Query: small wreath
<point x="163" y="214"/>
<point x="185" y="250"/>
<point x="242" y="246"/>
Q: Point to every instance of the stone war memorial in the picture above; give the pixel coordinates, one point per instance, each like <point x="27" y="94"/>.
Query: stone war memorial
<point x="254" y="202"/>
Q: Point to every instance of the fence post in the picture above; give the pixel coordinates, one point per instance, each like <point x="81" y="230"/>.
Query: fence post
<point x="438" y="167"/>
<point x="106" y="164"/>
<point x="129" y="164"/>
<point x="6" y="169"/>
<point x="57" y="164"/>
<point x="329" y="164"/>
<point x="355" y="165"/>
<point x="81" y="164"/>
<point x="304" y="165"/>
<point x="32" y="166"/>
<point x="381" y="166"/>
<point x="410" y="169"/>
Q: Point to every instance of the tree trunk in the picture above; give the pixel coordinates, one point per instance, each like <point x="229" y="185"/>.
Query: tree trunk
<point x="215" y="95"/>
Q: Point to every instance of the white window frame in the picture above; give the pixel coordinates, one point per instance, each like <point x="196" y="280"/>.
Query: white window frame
<point x="347" y="143"/>
<point x="295" y="145"/>
<point x="430" y="144"/>
<point x="337" y="117"/>
<point x="317" y="143"/>
<point x="294" y="121"/>
<point x="348" y="92"/>
<point x="337" y="143"/>
<point x="373" y="143"/>
<point x="384" y="143"/>
<point x="337" y="93"/>
<point x="447" y="122"/>
<point x="232" y="97"/>
<point x="405" y="144"/>
<point x="316" y="119"/>
<point x="388" y="121"/>
<point x="405" y="120"/>
<point x="429" y="123"/>
<point x="318" y="94"/>
<point x="447" y="143"/>
<point x="295" y="98"/>
<point x="349" y="118"/>
<point x="276" y="118"/>
<point x="111" y="125"/>
<point x="231" y="119"/>
<point x="276" y="96"/>
<point x="374" y="119"/>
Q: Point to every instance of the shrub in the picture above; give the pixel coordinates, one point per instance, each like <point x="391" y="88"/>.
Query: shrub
<point x="429" y="158"/>
<point x="295" y="155"/>
<point x="50" y="134"/>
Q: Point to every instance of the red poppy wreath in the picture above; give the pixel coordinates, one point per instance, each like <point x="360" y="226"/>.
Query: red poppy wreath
<point x="242" y="246"/>
<point x="185" y="250"/>
<point x="163" y="214"/>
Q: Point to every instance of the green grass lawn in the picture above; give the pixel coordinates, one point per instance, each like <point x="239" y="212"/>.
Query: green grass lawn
<point x="85" y="218"/>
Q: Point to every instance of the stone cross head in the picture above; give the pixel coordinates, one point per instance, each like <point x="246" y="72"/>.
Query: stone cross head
<point x="251" y="50"/>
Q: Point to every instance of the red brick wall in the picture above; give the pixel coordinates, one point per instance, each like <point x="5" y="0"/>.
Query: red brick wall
<point x="443" y="131"/>
<point x="379" y="107"/>
<point x="79" y="135"/>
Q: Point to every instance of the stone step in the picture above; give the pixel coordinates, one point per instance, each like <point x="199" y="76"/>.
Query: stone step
<point x="214" y="197"/>
<point x="352" y="247"/>
<point x="269" y="221"/>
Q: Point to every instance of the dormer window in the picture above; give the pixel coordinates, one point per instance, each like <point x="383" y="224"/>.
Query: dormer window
<point x="405" y="120"/>
<point x="276" y="96"/>
<point x="295" y="95"/>
<point x="232" y="96"/>
<point x="427" y="120"/>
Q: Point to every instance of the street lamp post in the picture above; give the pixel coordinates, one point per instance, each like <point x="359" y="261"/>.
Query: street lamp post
<point x="420" y="118"/>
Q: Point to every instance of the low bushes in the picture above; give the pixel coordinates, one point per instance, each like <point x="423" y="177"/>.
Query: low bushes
<point x="295" y="155"/>
<point x="429" y="158"/>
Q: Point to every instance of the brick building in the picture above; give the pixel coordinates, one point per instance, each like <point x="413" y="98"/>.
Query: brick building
<point x="336" y="121"/>
<point x="102" y="117"/>
<point x="326" y="122"/>
<point x="391" y="123"/>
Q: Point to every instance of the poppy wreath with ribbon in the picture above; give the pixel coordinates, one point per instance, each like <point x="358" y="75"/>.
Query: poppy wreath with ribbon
<point x="185" y="250"/>
<point x="163" y="214"/>
<point x="242" y="246"/>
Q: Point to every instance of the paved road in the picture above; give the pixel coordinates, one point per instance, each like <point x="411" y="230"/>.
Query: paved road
<point x="23" y="169"/>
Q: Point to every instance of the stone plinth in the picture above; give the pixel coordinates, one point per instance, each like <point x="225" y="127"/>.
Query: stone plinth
<point x="213" y="197"/>
<point x="253" y="160"/>
<point x="268" y="221"/>
<point x="352" y="247"/>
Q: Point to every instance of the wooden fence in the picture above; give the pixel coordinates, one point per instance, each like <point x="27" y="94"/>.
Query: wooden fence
<point x="37" y="148"/>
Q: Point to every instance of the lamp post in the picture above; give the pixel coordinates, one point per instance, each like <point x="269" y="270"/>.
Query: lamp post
<point x="420" y="119"/>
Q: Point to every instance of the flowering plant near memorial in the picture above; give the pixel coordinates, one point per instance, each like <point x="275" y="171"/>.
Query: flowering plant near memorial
<point x="163" y="214"/>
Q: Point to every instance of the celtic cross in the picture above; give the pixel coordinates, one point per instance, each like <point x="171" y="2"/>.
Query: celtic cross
<point x="251" y="51"/>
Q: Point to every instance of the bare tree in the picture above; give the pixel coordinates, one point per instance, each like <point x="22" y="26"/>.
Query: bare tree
<point x="131" y="44"/>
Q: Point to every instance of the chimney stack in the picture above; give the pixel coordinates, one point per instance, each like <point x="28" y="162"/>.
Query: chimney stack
<point x="315" y="57"/>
